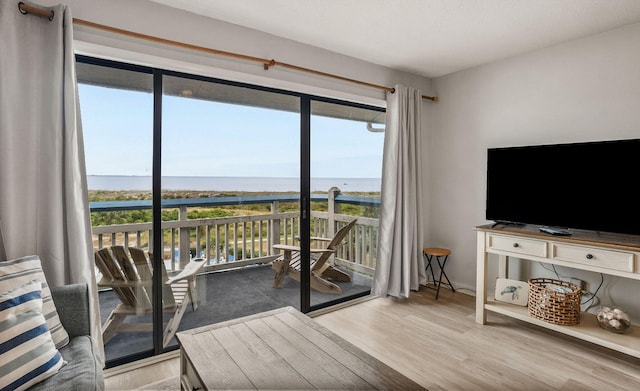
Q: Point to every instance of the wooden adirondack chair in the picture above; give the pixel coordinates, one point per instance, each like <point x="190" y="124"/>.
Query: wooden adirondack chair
<point x="131" y="279"/>
<point x="321" y="270"/>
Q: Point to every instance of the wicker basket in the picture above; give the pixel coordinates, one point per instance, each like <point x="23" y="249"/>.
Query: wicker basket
<point x="552" y="305"/>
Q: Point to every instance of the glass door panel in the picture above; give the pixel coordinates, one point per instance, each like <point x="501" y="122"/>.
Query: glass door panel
<point x="117" y="120"/>
<point x="346" y="168"/>
<point x="230" y="189"/>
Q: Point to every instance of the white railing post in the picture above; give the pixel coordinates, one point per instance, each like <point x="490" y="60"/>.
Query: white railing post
<point x="275" y="226"/>
<point x="184" y="242"/>
<point x="150" y="234"/>
<point x="333" y="208"/>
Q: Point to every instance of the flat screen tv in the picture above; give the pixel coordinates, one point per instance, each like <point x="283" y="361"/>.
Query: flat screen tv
<point x="585" y="186"/>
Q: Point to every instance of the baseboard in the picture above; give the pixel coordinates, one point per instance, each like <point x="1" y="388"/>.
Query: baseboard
<point x="466" y="291"/>
<point x="138" y="364"/>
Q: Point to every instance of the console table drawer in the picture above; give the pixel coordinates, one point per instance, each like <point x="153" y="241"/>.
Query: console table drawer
<point x="536" y="248"/>
<point x="616" y="260"/>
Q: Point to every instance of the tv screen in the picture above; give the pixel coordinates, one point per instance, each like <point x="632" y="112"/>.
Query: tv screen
<point x="588" y="186"/>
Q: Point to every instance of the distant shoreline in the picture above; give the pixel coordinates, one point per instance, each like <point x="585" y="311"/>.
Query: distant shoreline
<point x="129" y="195"/>
<point x="230" y="184"/>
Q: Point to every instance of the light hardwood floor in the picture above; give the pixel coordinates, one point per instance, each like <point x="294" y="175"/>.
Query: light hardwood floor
<point x="438" y="345"/>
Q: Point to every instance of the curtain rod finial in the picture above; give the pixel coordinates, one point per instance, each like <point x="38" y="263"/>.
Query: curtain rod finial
<point x="431" y="98"/>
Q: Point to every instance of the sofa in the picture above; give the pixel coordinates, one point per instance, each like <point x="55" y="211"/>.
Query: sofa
<point x="83" y="370"/>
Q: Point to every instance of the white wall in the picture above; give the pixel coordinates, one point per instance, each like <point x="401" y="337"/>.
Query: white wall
<point x="153" y="19"/>
<point x="584" y="90"/>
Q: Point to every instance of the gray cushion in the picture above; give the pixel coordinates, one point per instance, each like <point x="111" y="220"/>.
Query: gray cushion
<point x="72" y="302"/>
<point x="81" y="371"/>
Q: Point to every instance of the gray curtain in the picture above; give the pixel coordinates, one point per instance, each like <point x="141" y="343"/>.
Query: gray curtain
<point x="400" y="266"/>
<point x="44" y="208"/>
<point x="3" y="253"/>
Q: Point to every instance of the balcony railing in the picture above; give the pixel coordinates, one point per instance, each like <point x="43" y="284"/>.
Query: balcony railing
<point x="229" y="242"/>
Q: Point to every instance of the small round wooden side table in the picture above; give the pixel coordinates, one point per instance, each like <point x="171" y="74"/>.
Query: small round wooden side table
<point x="441" y="255"/>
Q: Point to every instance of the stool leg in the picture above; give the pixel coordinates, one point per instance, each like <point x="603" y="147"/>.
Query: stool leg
<point x="429" y="266"/>
<point x="442" y="273"/>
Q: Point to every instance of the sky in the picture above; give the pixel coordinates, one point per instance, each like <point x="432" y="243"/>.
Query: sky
<point x="203" y="138"/>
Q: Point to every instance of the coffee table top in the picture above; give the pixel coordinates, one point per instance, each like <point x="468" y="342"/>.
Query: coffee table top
<point x="283" y="349"/>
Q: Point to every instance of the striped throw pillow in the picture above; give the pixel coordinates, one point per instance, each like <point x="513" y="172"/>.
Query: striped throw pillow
<point x="19" y="271"/>
<point x="27" y="352"/>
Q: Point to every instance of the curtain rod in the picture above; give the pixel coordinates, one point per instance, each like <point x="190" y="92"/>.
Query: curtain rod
<point x="265" y="63"/>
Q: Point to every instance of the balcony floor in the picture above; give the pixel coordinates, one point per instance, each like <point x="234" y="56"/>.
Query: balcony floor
<point x="226" y="295"/>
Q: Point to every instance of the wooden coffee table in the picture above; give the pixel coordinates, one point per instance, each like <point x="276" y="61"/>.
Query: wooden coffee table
<point x="279" y="349"/>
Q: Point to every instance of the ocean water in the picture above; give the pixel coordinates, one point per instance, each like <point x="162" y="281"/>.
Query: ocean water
<point x="254" y="184"/>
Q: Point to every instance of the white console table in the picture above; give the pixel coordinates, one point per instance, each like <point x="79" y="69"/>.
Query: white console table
<point x="617" y="255"/>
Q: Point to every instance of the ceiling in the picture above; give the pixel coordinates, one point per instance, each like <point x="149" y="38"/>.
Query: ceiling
<point x="424" y="37"/>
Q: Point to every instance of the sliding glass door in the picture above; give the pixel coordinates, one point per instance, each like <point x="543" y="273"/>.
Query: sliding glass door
<point x="213" y="200"/>
<point x="230" y="178"/>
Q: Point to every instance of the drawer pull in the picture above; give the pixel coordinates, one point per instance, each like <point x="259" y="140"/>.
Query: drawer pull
<point x="589" y="256"/>
<point x="516" y="245"/>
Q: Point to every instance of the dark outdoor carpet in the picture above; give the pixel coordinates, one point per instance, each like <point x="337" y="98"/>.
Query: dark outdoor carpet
<point x="223" y="296"/>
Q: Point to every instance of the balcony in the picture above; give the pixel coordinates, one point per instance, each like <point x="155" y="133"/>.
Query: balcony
<point x="236" y="279"/>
